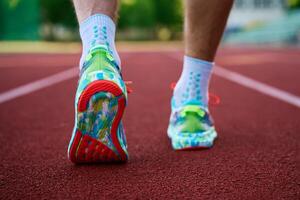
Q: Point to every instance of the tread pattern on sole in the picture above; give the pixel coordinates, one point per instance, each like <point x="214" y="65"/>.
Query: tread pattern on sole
<point x="85" y="148"/>
<point x="97" y="86"/>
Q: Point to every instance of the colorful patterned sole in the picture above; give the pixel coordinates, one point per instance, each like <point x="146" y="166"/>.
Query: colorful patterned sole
<point x="190" y="141"/>
<point x="98" y="133"/>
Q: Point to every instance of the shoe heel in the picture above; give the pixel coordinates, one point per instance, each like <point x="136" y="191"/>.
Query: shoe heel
<point x="99" y="111"/>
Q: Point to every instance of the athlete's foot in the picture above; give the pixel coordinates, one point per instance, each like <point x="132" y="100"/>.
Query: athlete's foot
<point x="191" y="127"/>
<point x="190" y="123"/>
<point x="101" y="96"/>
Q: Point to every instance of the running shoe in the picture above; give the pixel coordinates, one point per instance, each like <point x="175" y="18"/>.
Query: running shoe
<point x="191" y="127"/>
<point x="101" y="97"/>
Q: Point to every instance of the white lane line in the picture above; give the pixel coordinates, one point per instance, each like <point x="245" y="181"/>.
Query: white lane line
<point x="257" y="86"/>
<point x="38" y="85"/>
<point x="43" y="83"/>
<point x="219" y="71"/>
<point x="254" y="85"/>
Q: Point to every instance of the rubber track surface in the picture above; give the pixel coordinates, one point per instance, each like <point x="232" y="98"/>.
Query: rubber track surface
<point x="255" y="157"/>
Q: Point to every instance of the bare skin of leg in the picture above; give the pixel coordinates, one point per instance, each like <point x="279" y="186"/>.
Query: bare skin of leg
<point x="86" y="8"/>
<point x="204" y="25"/>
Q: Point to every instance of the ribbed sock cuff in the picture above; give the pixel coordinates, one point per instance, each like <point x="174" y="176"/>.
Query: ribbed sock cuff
<point x="100" y="19"/>
<point x="191" y="61"/>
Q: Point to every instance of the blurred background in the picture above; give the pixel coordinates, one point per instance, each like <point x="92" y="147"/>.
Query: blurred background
<point x="251" y="21"/>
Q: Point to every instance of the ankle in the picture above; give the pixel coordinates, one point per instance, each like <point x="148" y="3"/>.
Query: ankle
<point x="98" y="29"/>
<point x="192" y="87"/>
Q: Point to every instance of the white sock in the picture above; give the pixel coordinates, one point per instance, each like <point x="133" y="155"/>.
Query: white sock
<point x="98" y="29"/>
<point x="192" y="87"/>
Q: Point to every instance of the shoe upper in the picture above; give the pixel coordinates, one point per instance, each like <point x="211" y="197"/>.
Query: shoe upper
<point x="100" y="65"/>
<point x="189" y="118"/>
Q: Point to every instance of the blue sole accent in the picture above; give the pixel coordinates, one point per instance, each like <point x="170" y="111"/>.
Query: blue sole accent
<point x="192" y="140"/>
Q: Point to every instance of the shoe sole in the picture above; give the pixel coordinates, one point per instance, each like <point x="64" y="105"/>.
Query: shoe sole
<point x="85" y="148"/>
<point x="193" y="141"/>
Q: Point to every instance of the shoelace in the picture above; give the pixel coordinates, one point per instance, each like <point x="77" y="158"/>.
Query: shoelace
<point x="213" y="99"/>
<point x="128" y="88"/>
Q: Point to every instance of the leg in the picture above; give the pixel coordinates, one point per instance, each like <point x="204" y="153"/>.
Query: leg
<point x="93" y="17"/>
<point x="190" y="123"/>
<point x="98" y="134"/>
<point x="87" y="8"/>
<point x="204" y="25"/>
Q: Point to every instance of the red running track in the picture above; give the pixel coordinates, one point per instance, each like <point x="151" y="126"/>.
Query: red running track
<point x="255" y="157"/>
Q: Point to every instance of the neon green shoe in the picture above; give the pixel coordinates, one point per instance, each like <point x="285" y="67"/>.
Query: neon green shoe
<point x="191" y="127"/>
<point x="101" y="97"/>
